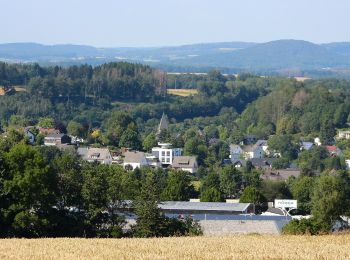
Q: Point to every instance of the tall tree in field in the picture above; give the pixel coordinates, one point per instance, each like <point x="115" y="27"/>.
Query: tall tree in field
<point x="149" y="219"/>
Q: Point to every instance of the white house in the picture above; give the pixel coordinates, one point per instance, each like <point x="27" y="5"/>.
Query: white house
<point x="185" y="163"/>
<point x="253" y="151"/>
<point x="101" y="155"/>
<point x="134" y="159"/>
<point x="344" y="134"/>
<point x="165" y="153"/>
<point x="317" y="141"/>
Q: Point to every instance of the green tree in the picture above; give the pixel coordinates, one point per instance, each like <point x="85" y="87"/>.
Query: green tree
<point x="46" y="122"/>
<point x="253" y="195"/>
<point x="149" y="218"/>
<point x="302" y="191"/>
<point x="30" y="185"/>
<point x="230" y="181"/>
<point x="130" y="139"/>
<point x="179" y="187"/>
<point x="76" y="129"/>
<point x="328" y="200"/>
<point x="149" y="142"/>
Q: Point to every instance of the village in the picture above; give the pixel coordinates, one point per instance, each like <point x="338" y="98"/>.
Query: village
<point x="250" y="150"/>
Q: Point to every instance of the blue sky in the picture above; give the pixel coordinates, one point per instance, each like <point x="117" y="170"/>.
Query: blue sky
<point x="107" y="23"/>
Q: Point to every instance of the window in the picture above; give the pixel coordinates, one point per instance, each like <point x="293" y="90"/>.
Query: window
<point x="163" y="160"/>
<point x="168" y="160"/>
<point x="163" y="153"/>
<point x="168" y="153"/>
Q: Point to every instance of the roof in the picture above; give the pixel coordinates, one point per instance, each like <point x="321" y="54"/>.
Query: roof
<point x="97" y="153"/>
<point x="82" y="151"/>
<point x="307" y="145"/>
<point x="261" y="143"/>
<point x="331" y="148"/>
<point x="239" y="162"/>
<point x="249" y="148"/>
<point x="282" y="174"/>
<point x="43" y="130"/>
<point x="184" y="162"/>
<point x="55" y="135"/>
<point x="164" y="123"/>
<point x="235" y="146"/>
<point x="203" y="206"/>
<point x="134" y="157"/>
<point x="262" y="162"/>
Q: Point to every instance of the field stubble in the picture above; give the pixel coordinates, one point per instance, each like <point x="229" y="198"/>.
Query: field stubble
<point x="207" y="247"/>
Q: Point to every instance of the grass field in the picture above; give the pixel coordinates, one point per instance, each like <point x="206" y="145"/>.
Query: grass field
<point x="182" y="92"/>
<point x="227" y="247"/>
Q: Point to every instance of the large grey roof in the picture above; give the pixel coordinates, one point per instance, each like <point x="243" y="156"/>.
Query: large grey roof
<point x="203" y="206"/>
<point x="184" y="162"/>
<point x="134" y="157"/>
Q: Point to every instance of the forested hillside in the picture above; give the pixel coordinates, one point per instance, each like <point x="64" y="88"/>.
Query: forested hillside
<point x="118" y="105"/>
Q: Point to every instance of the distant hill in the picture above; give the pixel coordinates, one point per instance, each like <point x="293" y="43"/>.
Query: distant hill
<point x="271" y="56"/>
<point x="278" y="55"/>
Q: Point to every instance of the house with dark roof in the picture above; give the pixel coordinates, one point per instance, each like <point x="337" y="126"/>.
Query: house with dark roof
<point x="56" y="139"/>
<point x="262" y="163"/>
<point x="185" y="163"/>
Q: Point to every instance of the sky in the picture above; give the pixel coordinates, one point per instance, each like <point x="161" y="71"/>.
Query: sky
<point x="136" y="23"/>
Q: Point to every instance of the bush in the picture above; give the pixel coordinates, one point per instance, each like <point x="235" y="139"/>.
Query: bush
<point x="304" y="227"/>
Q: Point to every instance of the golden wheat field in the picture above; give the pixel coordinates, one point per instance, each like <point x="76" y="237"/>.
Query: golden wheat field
<point x="183" y="92"/>
<point x="206" y="247"/>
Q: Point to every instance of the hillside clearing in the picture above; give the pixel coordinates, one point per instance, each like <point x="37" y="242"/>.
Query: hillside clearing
<point x="211" y="247"/>
<point x="182" y="92"/>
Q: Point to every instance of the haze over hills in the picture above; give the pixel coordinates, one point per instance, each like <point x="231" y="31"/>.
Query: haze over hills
<point x="277" y="55"/>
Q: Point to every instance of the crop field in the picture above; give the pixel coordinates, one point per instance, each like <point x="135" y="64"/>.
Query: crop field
<point x="182" y="92"/>
<point x="206" y="247"/>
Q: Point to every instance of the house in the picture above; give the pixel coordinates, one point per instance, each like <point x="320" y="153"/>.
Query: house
<point x="253" y="151"/>
<point x="236" y="152"/>
<point x="47" y="131"/>
<point x="100" y="155"/>
<point x="239" y="163"/>
<point x="306" y="146"/>
<point x="134" y="159"/>
<point x="333" y="150"/>
<point x="165" y="153"/>
<point x="56" y="139"/>
<point x="347" y="162"/>
<point x="163" y="124"/>
<point x="344" y="134"/>
<point x="263" y="144"/>
<point x="317" y="141"/>
<point x="262" y="163"/>
<point x="29" y="133"/>
<point x="153" y="161"/>
<point x="185" y="163"/>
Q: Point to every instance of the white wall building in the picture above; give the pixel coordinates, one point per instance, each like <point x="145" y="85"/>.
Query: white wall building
<point x="165" y="153"/>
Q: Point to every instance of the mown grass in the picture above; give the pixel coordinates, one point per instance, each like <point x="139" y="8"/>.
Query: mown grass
<point x="207" y="247"/>
<point x="183" y="92"/>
